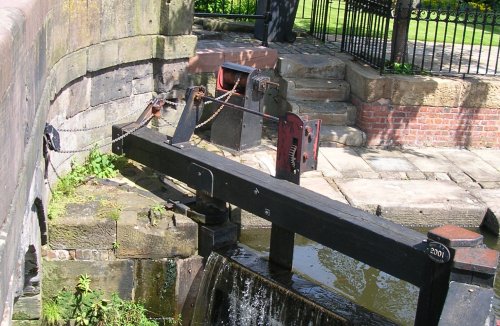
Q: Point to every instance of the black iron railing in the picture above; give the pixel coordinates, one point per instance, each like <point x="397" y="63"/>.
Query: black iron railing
<point x="456" y="40"/>
<point x="366" y="30"/>
<point x="453" y="41"/>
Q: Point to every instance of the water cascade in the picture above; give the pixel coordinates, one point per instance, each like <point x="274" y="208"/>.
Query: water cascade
<point x="241" y="290"/>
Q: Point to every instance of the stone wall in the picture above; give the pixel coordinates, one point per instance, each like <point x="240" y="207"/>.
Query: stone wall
<point x="73" y="63"/>
<point x="425" y="111"/>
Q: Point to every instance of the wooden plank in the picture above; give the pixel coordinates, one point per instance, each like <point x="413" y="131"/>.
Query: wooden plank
<point x="382" y="244"/>
<point x="468" y="305"/>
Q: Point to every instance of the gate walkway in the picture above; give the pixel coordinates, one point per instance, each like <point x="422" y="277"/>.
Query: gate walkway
<point x="411" y="186"/>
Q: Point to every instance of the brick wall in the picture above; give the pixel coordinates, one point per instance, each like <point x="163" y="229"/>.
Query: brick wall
<point x="395" y="125"/>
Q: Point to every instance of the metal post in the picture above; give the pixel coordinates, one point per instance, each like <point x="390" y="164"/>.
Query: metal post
<point x="267" y="19"/>
<point x="297" y="152"/>
<point x="456" y="256"/>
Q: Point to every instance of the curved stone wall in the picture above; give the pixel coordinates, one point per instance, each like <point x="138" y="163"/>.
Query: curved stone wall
<point x="75" y="63"/>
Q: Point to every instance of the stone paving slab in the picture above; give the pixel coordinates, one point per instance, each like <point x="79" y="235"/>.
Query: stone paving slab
<point x="491" y="197"/>
<point x="429" y="160"/>
<point x="490" y="156"/>
<point x="322" y="187"/>
<point x="473" y="165"/>
<point x="324" y="166"/>
<point x="415" y="202"/>
<point x="385" y="160"/>
<point x="345" y="159"/>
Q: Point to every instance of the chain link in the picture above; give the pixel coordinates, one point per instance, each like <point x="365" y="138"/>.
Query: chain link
<point x="220" y="97"/>
<point x="216" y="113"/>
<point x="166" y="124"/>
<point x="86" y="149"/>
<point x="226" y="95"/>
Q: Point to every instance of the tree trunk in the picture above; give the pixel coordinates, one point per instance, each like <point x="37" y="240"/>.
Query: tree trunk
<point x="400" y="30"/>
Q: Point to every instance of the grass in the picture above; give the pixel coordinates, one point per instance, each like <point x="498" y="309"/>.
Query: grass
<point x="466" y="33"/>
<point x="97" y="164"/>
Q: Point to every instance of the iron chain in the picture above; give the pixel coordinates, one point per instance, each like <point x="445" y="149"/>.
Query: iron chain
<point x="216" y="113"/>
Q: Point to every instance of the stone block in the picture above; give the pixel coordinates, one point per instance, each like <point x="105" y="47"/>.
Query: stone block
<point x="415" y="175"/>
<point x="91" y="254"/>
<point x="109" y="276"/>
<point x="155" y="285"/>
<point x="366" y="84"/>
<point x="137" y="48"/>
<point x="78" y="98"/>
<point x="84" y="23"/>
<point x="480" y="93"/>
<point x="415" y="202"/>
<point x="426" y="91"/>
<point x="310" y="89"/>
<point x="206" y="61"/>
<point x="343" y="135"/>
<point x="111" y="85"/>
<point x="69" y="68"/>
<point x="143" y="85"/>
<point x="147" y="17"/>
<point x="170" y="75"/>
<point x="322" y="187"/>
<point x="311" y="66"/>
<point x="58" y="32"/>
<point x="174" y="47"/>
<point x="345" y="159"/>
<point x="83" y="232"/>
<point x="257" y="57"/>
<point x="103" y="55"/>
<point x="173" y="236"/>
<point x="28" y="308"/>
<point x="330" y="113"/>
<point x="117" y="19"/>
<point x="491" y="197"/>
<point x="57" y="255"/>
<point x="177" y="17"/>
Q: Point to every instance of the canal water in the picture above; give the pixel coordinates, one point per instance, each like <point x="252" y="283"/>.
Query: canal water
<point x="367" y="286"/>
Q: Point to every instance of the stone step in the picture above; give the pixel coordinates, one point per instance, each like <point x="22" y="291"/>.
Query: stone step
<point x="335" y="136"/>
<point x="311" y="66"/>
<point x="312" y="89"/>
<point x="330" y="113"/>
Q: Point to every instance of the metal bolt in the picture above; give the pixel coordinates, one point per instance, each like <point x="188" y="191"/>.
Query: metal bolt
<point x="256" y="191"/>
<point x="199" y="174"/>
<point x="267" y="212"/>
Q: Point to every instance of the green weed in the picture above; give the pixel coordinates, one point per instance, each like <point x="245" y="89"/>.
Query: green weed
<point x="97" y="164"/>
<point x="88" y="308"/>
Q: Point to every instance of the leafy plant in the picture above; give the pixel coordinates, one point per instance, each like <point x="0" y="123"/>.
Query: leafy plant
<point x="51" y="313"/>
<point x="83" y="285"/>
<point x="155" y="213"/>
<point x="87" y="308"/>
<point x="115" y="245"/>
<point x="100" y="164"/>
<point x="400" y="68"/>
